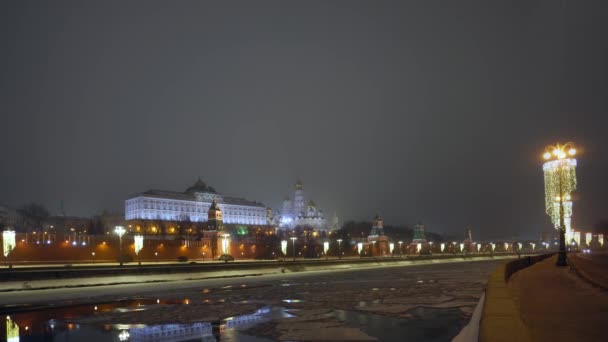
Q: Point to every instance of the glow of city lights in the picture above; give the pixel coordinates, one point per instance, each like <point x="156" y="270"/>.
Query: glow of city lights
<point x="600" y="239"/>
<point x="462" y="247"/>
<point x="577" y="238"/>
<point x="284" y="247"/>
<point x="119" y="230"/>
<point x="138" y="243"/>
<point x="359" y="247"/>
<point x="418" y="247"/>
<point x="533" y="245"/>
<point x="492" y="245"/>
<point x="506" y="246"/>
<point x="12" y="330"/>
<point x="391" y="247"/>
<point x="560" y="182"/>
<point x="478" y="246"/>
<point x="325" y="247"/>
<point x="8" y="242"/>
<point x="519" y="245"/>
<point x="588" y="237"/>
<point x="442" y="247"/>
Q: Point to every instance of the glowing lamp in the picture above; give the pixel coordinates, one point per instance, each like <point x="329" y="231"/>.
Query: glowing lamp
<point x="8" y="242"/>
<point x="225" y="243"/>
<point x="138" y="243"/>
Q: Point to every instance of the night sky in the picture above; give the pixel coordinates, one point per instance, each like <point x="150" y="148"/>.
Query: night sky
<point x="425" y="111"/>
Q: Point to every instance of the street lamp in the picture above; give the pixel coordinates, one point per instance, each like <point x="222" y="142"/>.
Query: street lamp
<point x="225" y="243"/>
<point x="400" y="248"/>
<point x="8" y="245"/>
<point x="560" y="180"/>
<point x="93" y="256"/>
<point x="138" y="245"/>
<point x="293" y="240"/>
<point x="120" y="230"/>
<point x="339" y="248"/>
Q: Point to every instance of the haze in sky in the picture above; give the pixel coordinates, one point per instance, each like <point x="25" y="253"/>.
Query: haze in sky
<point x="427" y="111"/>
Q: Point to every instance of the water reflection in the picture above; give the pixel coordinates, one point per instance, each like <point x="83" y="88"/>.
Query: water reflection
<point x="54" y="324"/>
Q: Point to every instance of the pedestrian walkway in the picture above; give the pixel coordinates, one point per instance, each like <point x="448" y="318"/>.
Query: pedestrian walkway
<point x="557" y="305"/>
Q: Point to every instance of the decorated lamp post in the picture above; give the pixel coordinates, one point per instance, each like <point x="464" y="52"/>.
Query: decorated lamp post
<point x="284" y="247"/>
<point x="560" y="182"/>
<point x="325" y="248"/>
<point x="225" y="243"/>
<point x="120" y="231"/>
<point x="400" y="248"/>
<point x="8" y="245"/>
<point x="293" y="242"/>
<point x="339" y="248"/>
<point x="138" y="245"/>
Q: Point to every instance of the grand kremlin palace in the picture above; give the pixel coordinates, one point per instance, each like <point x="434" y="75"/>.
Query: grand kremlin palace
<point x="192" y="205"/>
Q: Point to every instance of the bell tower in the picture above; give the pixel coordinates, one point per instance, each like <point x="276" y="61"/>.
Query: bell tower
<point x="298" y="199"/>
<point x="215" y="221"/>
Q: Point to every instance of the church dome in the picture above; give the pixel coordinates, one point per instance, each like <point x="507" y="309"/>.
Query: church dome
<point x="200" y="186"/>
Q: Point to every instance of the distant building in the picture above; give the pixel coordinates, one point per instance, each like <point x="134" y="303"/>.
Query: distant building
<point x="335" y="223"/>
<point x="215" y="222"/>
<point x="193" y="205"/>
<point x="419" y="236"/>
<point x="9" y="217"/>
<point x="296" y="213"/>
<point x="379" y="245"/>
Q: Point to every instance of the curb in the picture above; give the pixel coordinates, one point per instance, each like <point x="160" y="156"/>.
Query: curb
<point x="500" y="320"/>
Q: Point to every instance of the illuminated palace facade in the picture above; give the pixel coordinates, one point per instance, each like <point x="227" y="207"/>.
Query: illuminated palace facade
<point x="296" y="212"/>
<point x="193" y="205"/>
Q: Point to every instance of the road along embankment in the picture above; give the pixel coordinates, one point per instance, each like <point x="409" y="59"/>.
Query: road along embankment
<point x="30" y="279"/>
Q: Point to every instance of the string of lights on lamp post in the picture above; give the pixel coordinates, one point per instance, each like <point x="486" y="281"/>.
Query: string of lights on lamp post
<point x="293" y="240"/>
<point x="560" y="181"/>
<point x="119" y="230"/>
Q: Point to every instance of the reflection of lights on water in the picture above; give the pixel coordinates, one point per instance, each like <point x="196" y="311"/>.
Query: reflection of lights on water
<point x="123" y="336"/>
<point x="292" y="300"/>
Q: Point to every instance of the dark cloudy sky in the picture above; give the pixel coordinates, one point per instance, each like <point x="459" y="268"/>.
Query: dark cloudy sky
<point x="430" y="110"/>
